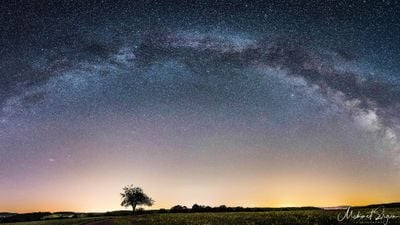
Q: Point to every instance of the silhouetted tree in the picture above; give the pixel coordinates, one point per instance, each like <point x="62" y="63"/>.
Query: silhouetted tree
<point x="201" y="208"/>
<point x="134" y="196"/>
<point x="179" y="208"/>
<point x="162" y="210"/>
<point x="196" y="208"/>
<point x="222" y="208"/>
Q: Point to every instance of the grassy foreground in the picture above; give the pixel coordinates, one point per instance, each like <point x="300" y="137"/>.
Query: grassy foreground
<point x="311" y="217"/>
<point x="303" y="217"/>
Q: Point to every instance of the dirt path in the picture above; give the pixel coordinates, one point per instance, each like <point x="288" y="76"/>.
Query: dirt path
<point x="101" y="222"/>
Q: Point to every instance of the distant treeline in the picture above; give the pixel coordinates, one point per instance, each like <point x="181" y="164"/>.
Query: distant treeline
<point x="223" y="208"/>
<point x="202" y="208"/>
<point x="23" y="217"/>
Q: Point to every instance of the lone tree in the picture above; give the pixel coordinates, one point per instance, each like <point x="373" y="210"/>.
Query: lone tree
<point x="134" y="196"/>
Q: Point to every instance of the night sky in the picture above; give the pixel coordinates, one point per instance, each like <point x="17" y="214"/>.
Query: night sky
<point x="266" y="103"/>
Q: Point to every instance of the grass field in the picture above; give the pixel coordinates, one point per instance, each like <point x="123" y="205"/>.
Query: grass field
<point x="312" y="217"/>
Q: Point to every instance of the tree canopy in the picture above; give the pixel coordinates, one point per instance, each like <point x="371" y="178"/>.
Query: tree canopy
<point x="134" y="196"/>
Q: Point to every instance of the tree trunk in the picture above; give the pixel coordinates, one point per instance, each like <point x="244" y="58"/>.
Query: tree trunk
<point x="133" y="209"/>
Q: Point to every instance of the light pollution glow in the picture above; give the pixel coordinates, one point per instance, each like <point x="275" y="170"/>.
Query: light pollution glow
<point x="256" y="177"/>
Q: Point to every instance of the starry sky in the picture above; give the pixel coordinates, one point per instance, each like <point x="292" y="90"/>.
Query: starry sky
<point x="258" y="104"/>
